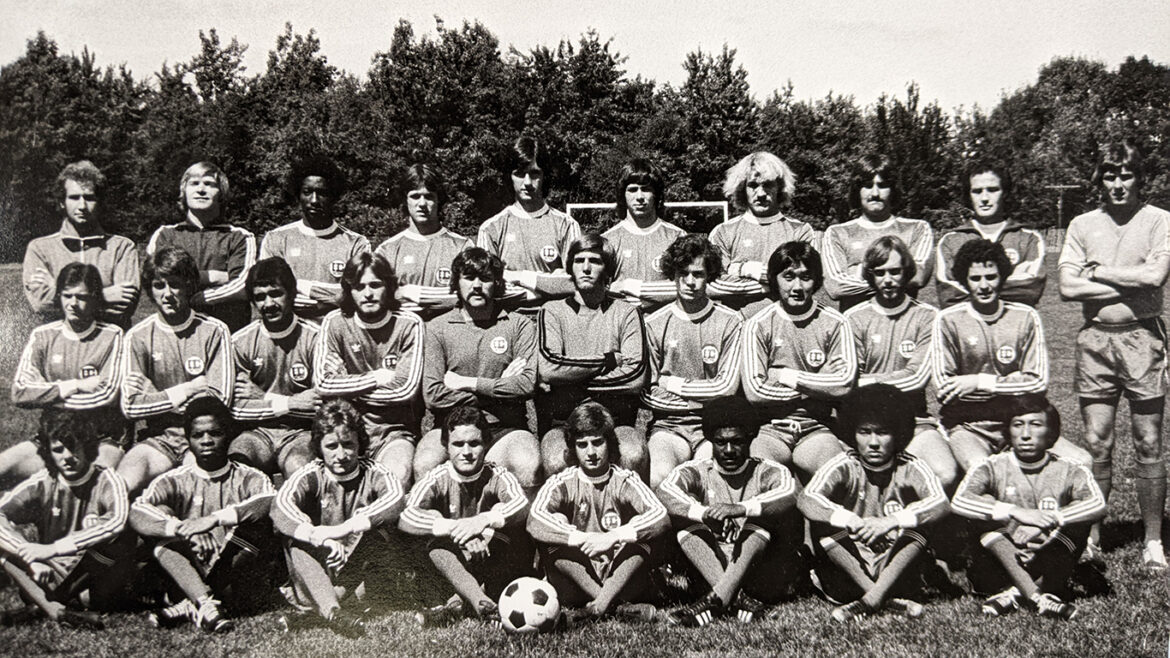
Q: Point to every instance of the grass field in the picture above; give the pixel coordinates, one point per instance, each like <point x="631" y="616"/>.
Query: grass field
<point x="1132" y="620"/>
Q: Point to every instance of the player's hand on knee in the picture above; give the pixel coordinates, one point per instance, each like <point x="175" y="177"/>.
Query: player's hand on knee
<point x="719" y="512"/>
<point x="41" y="572"/>
<point x="875" y="528"/>
<point x="37" y="553"/>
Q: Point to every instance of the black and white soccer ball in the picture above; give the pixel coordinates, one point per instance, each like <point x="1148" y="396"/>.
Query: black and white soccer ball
<point x="529" y="605"/>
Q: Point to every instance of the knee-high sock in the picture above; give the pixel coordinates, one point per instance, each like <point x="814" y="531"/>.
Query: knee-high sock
<point x="1151" y="495"/>
<point x="629" y="564"/>
<point x="312" y="581"/>
<point x="185" y="575"/>
<point x="906" y="551"/>
<point x="455" y="571"/>
<point x="1005" y="553"/>
<point x="32" y="590"/>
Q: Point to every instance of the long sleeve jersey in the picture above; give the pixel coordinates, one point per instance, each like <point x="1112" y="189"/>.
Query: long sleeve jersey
<point x="703" y="349"/>
<point x="220" y="247"/>
<point x="574" y="339"/>
<point x="895" y="346"/>
<point x="1025" y="248"/>
<point x="749" y="238"/>
<point x="425" y="261"/>
<point x="269" y="369"/>
<point x="54" y="353"/>
<point x="571" y="503"/>
<point x="75" y="516"/>
<point x="444" y="496"/>
<point x="843" y="250"/>
<point x="317" y="257"/>
<point x="115" y="257"/>
<point x="639" y="257"/>
<point x="536" y="243"/>
<point x="844" y="489"/>
<point x="766" y="489"/>
<point x="456" y="344"/>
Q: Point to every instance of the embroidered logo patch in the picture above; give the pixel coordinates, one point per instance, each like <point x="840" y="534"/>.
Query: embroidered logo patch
<point x="710" y="354"/>
<point x="499" y="345"/>
<point x="390" y="361"/>
<point x="1013" y="255"/>
<point x="815" y="357"/>
<point x="443" y="276"/>
<point x="336" y="268"/>
<point x="549" y="253"/>
<point x="611" y="520"/>
<point x="194" y="366"/>
<point x="892" y="507"/>
<point x="88" y="371"/>
<point x="1048" y="504"/>
<point x="298" y="371"/>
<point x="906" y="348"/>
<point x="1005" y="354"/>
<point x="657" y="264"/>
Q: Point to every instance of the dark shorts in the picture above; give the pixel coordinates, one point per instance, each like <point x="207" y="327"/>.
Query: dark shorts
<point x="171" y="442"/>
<point x="791" y="431"/>
<point x="988" y="432"/>
<point x="1128" y="359"/>
<point x="687" y="427"/>
<point x="279" y="438"/>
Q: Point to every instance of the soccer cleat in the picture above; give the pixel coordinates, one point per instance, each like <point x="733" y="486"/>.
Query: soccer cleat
<point x="1153" y="557"/>
<point x="905" y="607"/>
<point x="347" y="624"/>
<point x="441" y="616"/>
<point x="1050" y="605"/>
<point x="82" y="620"/>
<point x="697" y="614"/>
<point x="852" y="610"/>
<point x="210" y="619"/>
<point x="1003" y="603"/>
<point x="746" y="608"/>
<point x="636" y="612"/>
<point x="489" y="612"/>
<point x="1093" y="554"/>
<point x="575" y="617"/>
<point x="18" y="616"/>
<point x="173" y="615"/>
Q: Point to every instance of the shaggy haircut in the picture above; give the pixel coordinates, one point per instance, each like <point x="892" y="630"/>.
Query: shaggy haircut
<point x="354" y="269"/>
<point x="86" y="274"/>
<point x="759" y="165"/>
<point x="792" y="254"/>
<point x="74" y="429"/>
<point x="477" y="263"/>
<point x="171" y="262"/>
<point x="865" y="170"/>
<point x="1006" y="182"/>
<point x="338" y="415"/>
<point x="879" y="252"/>
<point x="982" y="251"/>
<point x="315" y="165"/>
<point x="1115" y="156"/>
<point x="273" y="270"/>
<point x="418" y="176"/>
<point x="683" y="251"/>
<point x="466" y="414"/>
<point x="641" y="172"/>
<point x="590" y="419"/>
<point x="596" y="243"/>
<point x="206" y="169"/>
<point x="526" y="154"/>
<point x="883" y="405"/>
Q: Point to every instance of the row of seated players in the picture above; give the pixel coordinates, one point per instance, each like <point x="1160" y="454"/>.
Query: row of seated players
<point x="598" y="527"/>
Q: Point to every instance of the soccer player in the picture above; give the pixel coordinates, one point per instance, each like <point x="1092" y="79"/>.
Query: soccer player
<point x="1035" y="509"/>
<point x="327" y="509"/>
<point x="798" y="361"/>
<point x="641" y="237"/>
<point x="870" y="508"/>
<point x="482" y="355"/>
<point x="529" y="236"/>
<point x="1115" y="261"/>
<point x="371" y="353"/>
<point x="988" y="190"/>
<point x="422" y="252"/>
<point x="222" y="252"/>
<point x="873" y="189"/>
<point x="474" y="512"/>
<point x="207" y="522"/>
<point x="169" y="359"/>
<point x="736" y="519"/>
<point x="894" y="336"/>
<point x="591" y="347"/>
<point x="274" y="392"/>
<point x="82" y="239"/>
<point x="74" y="364"/>
<point x="694" y="356"/>
<point x="758" y="185"/>
<point x="77" y="509"/>
<point x="316" y="247"/>
<point x="594" y="520"/>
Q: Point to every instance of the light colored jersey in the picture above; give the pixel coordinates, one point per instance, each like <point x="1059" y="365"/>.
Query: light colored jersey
<point x="269" y="369"/>
<point x="765" y="488"/>
<point x="570" y="502"/>
<point x="425" y="261"/>
<point x="444" y="495"/>
<point x="844" y="489"/>
<point x="115" y="257"/>
<point x="316" y="257"/>
<point x="843" y="250"/>
<point x="1002" y="481"/>
<point x="75" y="516"/>
<point x="54" y="353"/>
<point x="895" y="346"/>
<point x="639" y="257"/>
<point x="703" y="349"/>
<point x="1024" y="247"/>
<point x="535" y="243"/>
<point x="748" y="238"/>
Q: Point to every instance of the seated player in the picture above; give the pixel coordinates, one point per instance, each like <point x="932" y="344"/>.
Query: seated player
<point x="370" y="353"/>
<point x="274" y="394"/>
<point x="798" y="361"/>
<point x="735" y="518"/>
<point x="474" y="512"/>
<point x="593" y="521"/>
<point x="1035" y="509"/>
<point x="169" y="359"/>
<point x="641" y="236"/>
<point x="694" y="356"/>
<point x="222" y="252"/>
<point x="481" y="354"/>
<point x="591" y="348"/>
<point x="869" y="509"/>
<point x="316" y="247"/>
<point x="70" y="364"/>
<point x="207" y="522"/>
<point x="78" y="510"/>
<point x="893" y="333"/>
<point x="331" y="513"/>
<point x="758" y="185"/>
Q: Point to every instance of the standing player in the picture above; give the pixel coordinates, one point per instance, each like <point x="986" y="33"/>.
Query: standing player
<point x="371" y="353"/>
<point x="798" y="360"/>
<point x="529" y="236"/>
<point x="222" y="252"/>
<point x="474" y="512"/>
<point x="874" y="191"/>
<point x="206" y="522"/>
<point x="479" y="354"/>
<point x="1036" y="510"/>
<point x="316" y="247"/>
<point x="1115" y="261"/>
<point x="591" y="347"/>
<point x="869" y="508"/>
<point x="758" y="185"/>
<point x="988" y="190"/>
<point x="694" y="357"/>
<point x="274" y="392"/>
<point x="736" y="519"/>
<point x="641" y="237"/>
<point x="594" y="520"/>
<point x="82" y="239"/>
<point x="169" y="359"/>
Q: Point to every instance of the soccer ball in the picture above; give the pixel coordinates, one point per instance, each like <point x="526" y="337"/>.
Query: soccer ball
<point x="529" y="605"/>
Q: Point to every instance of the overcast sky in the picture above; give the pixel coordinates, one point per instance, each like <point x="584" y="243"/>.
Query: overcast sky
<point x="959" y="53"/>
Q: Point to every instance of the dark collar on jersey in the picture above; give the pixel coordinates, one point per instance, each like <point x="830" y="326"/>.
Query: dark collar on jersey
<point x="78" y="243"/>
<point x="576" y="304"/>
<point x="188" y="225"/>
<point x="459" y="477"/>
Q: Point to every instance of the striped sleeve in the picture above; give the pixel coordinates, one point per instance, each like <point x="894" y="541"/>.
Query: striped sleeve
<point x="140" y="398"/>
<point x="383" y="509"/>
<point x="1032" y="377"/>
<point x="651" y="518"/>
<point x="726" y="380"/>
<point x="840" y="367"/>
<point x="332" y="378"/>
<point x="112" y="503"/>
<point x="20" y="506"/>
<point x="422" y="506"/>
<point x="110" y="370"/>
<point x="818" y="500"/>
<point x="932" y="503"/>
<point x="757" y="344"/>
<point x="30" y="386"/>
<point x="152" y="514"/>
<point x="839" y="281"/>
<point x="287" y="512"/>
<point x="546" y="522"/>
<point x="1086" y="502"/>
<point x="408" y="372"/>
<point x="975" y="497"/>
<point x="777" y="492"/>
<point x="242" y="258"/>
<point x="681" y="492"/>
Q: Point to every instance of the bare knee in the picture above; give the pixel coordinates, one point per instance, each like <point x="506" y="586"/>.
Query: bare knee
<point x="520" y="452"/>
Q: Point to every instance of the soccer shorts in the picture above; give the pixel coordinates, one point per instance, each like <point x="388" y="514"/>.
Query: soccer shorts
<point x="1127" y="358"/>
<point x="836" y="585"/>
<point x="170" y="441"/>
<point x="791" y="431"/>
<point x="279" y="438"/>
<point x="382" y="437"/>
<point x="988" y="432"/>
<point x="686" y="426"/>
<point x="926" y="424"/>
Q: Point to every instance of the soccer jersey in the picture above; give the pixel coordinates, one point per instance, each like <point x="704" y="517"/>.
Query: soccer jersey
<point x="843" y="250"/>
<point x="817" y="344"/>
<point x="115" y="257"/>
<point x="317" y="257"/>
<point x="220" y="247"/>
<point x="444" y="495"/>
<point x="749" y="238"/>
<point x="639" y="256"/>
<point x="54" y="353"/>
<point x="536" y="243"/>
<point x="425" y="261"/>
<point x="74" y="515"/>
<point x="765" y="489"/>
<point x="269" y="369"/>
<point x="1024" y="247"/>
<point x="894" y="346"/>
<point x="845" y="489"/>
<point x="455" y="343"/>
<point x="701" y="348"/>
<point x="573" y="340"/>
<point x="1095" y="238"/>
<point x="571" y="503"/>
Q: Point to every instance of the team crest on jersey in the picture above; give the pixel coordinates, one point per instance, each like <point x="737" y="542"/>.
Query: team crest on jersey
<point x="336" y="268"/>
<point x="1005" y="354"/>
<point x="298" y="371"/>
<point x="549" y="253"/>
<point x="1048" y="504"/>
<point x="499" y="345"/>
<point x="194" y="366"/>
<point x="906" y="348"/>
<point x="1013" y="255"/>
<point x="88" y="371"/>
<point x="710" y="354"/>
<point x="390" y="361"/>
<point x="443" y="276"/>
<point x="816" y="357"/>
<point x="892" y="507"/>
<point x="657" y="264"/>
<point x="611" y="520"/>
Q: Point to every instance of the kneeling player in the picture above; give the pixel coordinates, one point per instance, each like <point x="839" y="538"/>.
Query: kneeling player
<point x="594" y="519"/>
<point x="327" y="507"/>
<point x="206" y="520"/>
<point x="1037" y="508"/>
<point x="78" y="509"/>
<point x="475" y="513"/>
<point x="737" y="519"/>
<point x="868" y="507"/>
